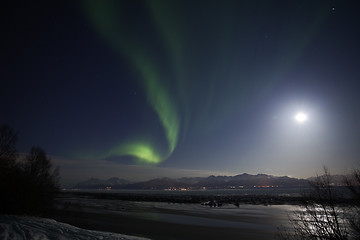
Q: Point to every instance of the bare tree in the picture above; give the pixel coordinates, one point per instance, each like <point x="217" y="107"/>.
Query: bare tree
<point x="38" y="166"/>
<point x="321" y="216"/>
<point x="28" y="186"/>
<point x="8" y="139"/>
<point x="42" y="180"/>
<point x="9" y="171"/>
<point x="353" y="184"/>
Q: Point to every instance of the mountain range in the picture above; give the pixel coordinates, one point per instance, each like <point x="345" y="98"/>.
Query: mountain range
<point x="212" y="182"/>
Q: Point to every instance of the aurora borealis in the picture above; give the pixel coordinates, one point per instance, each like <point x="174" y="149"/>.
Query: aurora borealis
<point x="110" y="25"/>
<point x="200" y="85"/>
<point x="111" y="20"/>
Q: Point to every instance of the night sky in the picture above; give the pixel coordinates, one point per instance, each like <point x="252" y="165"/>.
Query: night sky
<point x="143" y="89"/>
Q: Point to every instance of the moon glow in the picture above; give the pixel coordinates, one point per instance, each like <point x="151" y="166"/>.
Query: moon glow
<point x="300" y="117"/>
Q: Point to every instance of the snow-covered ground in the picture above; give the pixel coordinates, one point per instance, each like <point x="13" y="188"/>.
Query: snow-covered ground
<point x="31" y="228"/>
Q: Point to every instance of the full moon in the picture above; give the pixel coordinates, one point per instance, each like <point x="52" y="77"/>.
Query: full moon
<point x="300" y="117"/>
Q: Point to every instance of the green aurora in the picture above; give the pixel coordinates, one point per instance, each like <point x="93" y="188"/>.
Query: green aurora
<point x="222" y="59"/>
<point x="108" y="23"/>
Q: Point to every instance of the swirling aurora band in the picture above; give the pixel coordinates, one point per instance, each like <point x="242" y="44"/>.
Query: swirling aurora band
<point x="154" y="46"/>
<point x="108" y="24"/>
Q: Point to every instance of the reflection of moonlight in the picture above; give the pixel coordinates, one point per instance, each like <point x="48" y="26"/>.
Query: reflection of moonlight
<point x="300" y="117"/>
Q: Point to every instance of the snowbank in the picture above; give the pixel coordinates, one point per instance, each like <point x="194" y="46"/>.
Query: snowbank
<point x="31" y="228"/>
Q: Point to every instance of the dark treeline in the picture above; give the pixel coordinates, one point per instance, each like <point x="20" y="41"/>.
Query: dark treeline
<point x="27" y="184"/>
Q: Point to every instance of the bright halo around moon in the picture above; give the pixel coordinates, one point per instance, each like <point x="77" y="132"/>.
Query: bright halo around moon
<point x="300" y="117"/>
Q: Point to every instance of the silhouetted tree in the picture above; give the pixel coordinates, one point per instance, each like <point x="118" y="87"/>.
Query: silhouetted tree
<point x="8" y="139"/>
<point x="353" y="184"/>
<point x="10" y="176"/>
<point x="28" y="186"/>
<point x="42" y="181"/>
<point x="322" y="217"/>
